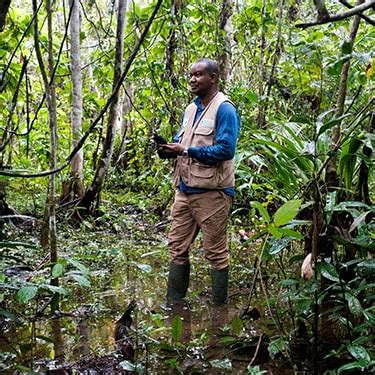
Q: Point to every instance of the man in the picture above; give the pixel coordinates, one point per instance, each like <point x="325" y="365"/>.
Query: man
<point x="204" y="179"/>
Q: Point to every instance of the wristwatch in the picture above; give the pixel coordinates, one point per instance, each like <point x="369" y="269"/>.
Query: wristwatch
<point x="185" y="153"/>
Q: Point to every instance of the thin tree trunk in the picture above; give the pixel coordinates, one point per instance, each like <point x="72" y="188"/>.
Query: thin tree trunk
<point x="224" y="30"/>
<point x="75" y="188"/>
<point x="262" y="68"/>
<point x="93" y="192"/>
<point x="170" y="74"/>
<point x="49" y="236"/>
<point x="331" y="170"/>
<point x="53" y="157"/>
<point x="276" y="54"/>
<point x="125" y="126"/>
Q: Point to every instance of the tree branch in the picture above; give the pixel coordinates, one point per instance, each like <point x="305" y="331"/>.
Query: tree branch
<point x="339" y="16"/>
<point x="322" y="10"/>
<point x="365" y="18"/>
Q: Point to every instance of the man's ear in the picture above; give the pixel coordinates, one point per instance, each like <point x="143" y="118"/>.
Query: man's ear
<point x="214" y="77"/>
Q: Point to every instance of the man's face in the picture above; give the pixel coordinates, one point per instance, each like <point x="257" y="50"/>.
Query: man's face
<point x="201" y="82"/>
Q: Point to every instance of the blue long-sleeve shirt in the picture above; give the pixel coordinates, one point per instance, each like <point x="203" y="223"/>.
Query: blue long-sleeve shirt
<point x="227" y="130"/>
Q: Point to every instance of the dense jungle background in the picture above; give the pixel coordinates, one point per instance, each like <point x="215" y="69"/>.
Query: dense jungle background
<point x="85" y="200"/>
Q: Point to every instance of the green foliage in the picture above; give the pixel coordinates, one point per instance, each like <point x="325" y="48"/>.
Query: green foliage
<point x="277" y="346"/>
<point x="278" y="167"/>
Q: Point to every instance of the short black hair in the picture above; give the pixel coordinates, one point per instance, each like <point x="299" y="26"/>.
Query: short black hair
<point x="212" y="66"/>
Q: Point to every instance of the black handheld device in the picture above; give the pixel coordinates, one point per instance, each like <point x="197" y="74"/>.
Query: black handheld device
<point x="159" y="139"/>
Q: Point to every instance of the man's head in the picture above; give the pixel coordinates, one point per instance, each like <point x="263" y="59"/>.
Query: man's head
<point x="204" y="78"/>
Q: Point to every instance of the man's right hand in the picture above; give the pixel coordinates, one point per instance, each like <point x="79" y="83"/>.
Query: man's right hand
<point x="165" y="154"/>
<point x="173" y="148"/>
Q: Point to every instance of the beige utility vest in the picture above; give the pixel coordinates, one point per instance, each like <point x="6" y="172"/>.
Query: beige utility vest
<point x="200" y="134"/>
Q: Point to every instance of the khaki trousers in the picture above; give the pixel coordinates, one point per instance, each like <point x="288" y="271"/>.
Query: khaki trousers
<point x="208" y="212"/>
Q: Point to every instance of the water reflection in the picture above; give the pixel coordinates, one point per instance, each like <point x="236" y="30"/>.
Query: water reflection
<point x="83" y="340"/>
<point x="208" y="317"/>
<point x="181" y="309"/>
<point x="58" y="344"/>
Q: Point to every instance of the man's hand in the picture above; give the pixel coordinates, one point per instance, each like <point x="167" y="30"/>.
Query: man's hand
<point x="173" y="148"/>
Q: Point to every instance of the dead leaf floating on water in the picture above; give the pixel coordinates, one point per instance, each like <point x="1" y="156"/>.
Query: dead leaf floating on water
<point x="307" y="271"/>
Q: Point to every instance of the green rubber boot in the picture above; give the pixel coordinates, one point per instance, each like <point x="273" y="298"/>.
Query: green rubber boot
<point x="178" y="281"/>
<point x="219" y="282"/>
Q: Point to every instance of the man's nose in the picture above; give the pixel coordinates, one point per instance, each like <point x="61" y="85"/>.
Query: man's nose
<point x="192" y="79"/>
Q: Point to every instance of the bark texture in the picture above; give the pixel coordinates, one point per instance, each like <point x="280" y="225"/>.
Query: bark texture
<point x="331" y="170"/>
<point x="225" y="39"/>
<point x="261" y="119"/>
<point x="49" y="231"/>
<point x="93" y="192"/>
<point x="75" y="185"/>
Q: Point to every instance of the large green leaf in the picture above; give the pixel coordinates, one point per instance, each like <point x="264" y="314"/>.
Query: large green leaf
<point x="57" y="270"/>
<point x="279" y="245"/>
<point x="322" y="128"/>
<point x="84" y="270"/>
<point x="276" y="346"/>
<point x="81" y="280"/>
<point x="328" y="271"/>
<point x="358" y="365"/>
<point x="262" y="210"/>
<point x="26" y="293"/>
<point x="354" y="305"/>
<point x="287" y="212"/>
<point x="291" y="233"/>
<point x="359" y="352"/>
<point x="237" y="325"/>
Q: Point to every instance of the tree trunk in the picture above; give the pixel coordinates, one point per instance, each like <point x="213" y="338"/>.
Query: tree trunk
<point x="276" y="55"/>
<point x="93" y="192"/>
<point x="170" y="74"/>
<point x="331" y="170"/>
<point x="121" y="160"/>
<point x="262" y="68"/>
<point x="225" y="42"/>
<point x="4" y="7"/>
<point x="53" y="157"/>
<point x="49" y="235"/>
<point x="74" y="188"/>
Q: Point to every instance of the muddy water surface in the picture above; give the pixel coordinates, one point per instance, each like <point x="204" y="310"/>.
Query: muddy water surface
<point x="126" y="264"/>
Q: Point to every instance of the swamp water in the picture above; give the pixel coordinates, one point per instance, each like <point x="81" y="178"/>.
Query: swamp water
<point x="130" y="263"/>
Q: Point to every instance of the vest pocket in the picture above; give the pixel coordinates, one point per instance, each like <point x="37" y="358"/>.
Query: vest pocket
<point x="204" y="130"/>
<point x="203" y="176"/>
<point x="202" y="171"/>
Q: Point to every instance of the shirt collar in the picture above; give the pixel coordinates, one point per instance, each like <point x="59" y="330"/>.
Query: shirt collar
<point x="198" y="102"/>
